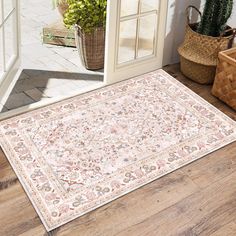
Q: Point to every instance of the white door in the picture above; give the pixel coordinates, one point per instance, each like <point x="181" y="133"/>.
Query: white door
<point x="135" y="37"/>
<point x="9" y="45"/>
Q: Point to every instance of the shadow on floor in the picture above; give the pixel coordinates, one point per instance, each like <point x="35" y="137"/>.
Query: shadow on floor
<point x="37" y="85"/>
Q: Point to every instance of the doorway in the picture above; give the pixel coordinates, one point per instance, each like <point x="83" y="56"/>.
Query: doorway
<point x="134" y="45"/>
<point x="47" y="71"/>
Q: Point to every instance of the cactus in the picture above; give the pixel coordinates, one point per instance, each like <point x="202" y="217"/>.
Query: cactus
<point x="215" y="16"/>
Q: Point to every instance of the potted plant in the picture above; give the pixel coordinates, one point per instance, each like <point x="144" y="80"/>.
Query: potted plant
<point x="61" y="5"/>
<point x="88" y="18"/>
<point x="204" y="40"/>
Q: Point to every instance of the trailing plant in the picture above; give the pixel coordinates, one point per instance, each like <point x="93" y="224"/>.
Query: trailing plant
<point x="88" y="14"/>
<point x="215" y="16"/>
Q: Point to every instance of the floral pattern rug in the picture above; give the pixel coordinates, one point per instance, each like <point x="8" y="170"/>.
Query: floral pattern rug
<point x="79" y="154"/>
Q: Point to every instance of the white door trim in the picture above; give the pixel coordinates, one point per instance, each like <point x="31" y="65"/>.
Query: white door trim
<point x="114" y="73"/>
<point x="11" y="71"/>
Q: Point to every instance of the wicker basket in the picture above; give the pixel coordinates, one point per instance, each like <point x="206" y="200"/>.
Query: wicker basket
<point x="225" y="81"/>
<point x="62" y="7"/>
<point x="199" y="53"/>
<point x="91" y="47"/>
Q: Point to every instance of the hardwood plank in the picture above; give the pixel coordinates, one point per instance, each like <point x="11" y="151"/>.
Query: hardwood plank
<point x="214" y="167"/>
<point x="227" y="230"/>
<point x="134" y="207"/>
<point x="202" y="213"/>
<point x="7" y="175"/>
<point x="17" y="214"/>
<point x="36" y="231"/>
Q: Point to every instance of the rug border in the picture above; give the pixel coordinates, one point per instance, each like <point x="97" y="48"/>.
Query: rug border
<point x="163" y="72"/>
<point x="50" y="228"/>
<point x="23" y="185"/>
<point x="194" y="94"/>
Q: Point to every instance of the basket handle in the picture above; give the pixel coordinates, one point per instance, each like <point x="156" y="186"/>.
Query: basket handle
<point x="231" y="41"/>
<point x="188" y="12"/>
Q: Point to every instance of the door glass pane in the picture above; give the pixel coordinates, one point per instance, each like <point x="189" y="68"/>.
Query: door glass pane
<point x="1" y="54"/>
<point x="8" y="6"/>
<point x="1" y="12"/>
<point x="147" y="35"/>
<point x="10" y="42"/>
<point x="129" y="7"/>
<point x="149" y="5"/>
<point x="127" y="41"/>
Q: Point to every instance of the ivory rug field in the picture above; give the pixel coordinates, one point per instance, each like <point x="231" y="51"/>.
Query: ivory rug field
<point x="79" y="154"/>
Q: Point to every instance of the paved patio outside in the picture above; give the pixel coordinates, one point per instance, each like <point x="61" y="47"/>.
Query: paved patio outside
<point x="48" y="71"/>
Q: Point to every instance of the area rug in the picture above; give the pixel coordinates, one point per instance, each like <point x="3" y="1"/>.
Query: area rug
<point x="79" y="154"/>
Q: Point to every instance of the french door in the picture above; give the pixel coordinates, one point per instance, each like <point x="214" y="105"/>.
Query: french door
<point x="9" y="44"/>
<point x="135" y="37"/>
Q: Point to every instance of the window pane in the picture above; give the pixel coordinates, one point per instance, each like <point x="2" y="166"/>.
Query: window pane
<point x="129" y="7"/>
<point x="9" y="37"/>
<point x="1" y="54"/>
<point x="1" y="12"/>
<point x="127" y="40"/>
<point x="8" y="6"/>
<point x="149" y="5"/>
<point x="147" y="35"/>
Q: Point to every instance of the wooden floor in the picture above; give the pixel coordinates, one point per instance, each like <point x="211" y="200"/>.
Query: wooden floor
<point x="199" y="199"/>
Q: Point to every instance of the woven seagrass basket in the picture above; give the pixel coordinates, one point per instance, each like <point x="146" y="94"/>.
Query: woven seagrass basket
<point x="224" y="86"/>
<point x="91" y="47"/>
<point x="199" y="53"/>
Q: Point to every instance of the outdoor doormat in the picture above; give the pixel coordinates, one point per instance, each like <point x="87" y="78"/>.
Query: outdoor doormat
<point x="79" y="154"/>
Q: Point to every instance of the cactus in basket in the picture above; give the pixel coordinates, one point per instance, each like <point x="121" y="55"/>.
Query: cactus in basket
<point x="215" y="16"/>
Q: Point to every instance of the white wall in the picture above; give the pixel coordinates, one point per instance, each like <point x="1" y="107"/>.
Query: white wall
<point x="176" y="22"/>
<point x="232" y="20"/>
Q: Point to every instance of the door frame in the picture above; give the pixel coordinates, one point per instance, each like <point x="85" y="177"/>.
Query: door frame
<point x="10" y="76"/>
<point x="108" y="68"/>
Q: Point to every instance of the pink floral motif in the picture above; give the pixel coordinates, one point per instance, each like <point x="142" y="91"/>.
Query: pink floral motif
<point x="78" y="154"/>
<point x="50" y="197"/>
<point x="64" y="208"/>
